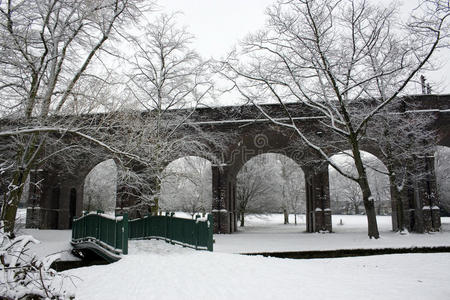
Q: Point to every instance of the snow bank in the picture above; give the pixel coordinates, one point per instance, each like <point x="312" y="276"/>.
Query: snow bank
<point x="51" y="242"/>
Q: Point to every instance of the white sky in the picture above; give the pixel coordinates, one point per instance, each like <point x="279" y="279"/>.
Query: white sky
<point x="219" y="24"/>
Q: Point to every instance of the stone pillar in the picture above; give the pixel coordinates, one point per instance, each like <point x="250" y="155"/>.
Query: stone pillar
<point x="34" y="213"/>
<point x="422" y="210"/>
<point x="427" y="195"/>
<point x="402" y="202"/>
<point x="233" y="212"/>
<point x="318" y="212"/>
<point x="50" y="192"/>
<point x="223" y="204"/>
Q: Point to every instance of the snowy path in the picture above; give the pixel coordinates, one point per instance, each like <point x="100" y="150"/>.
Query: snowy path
<point x="157" y="270"/>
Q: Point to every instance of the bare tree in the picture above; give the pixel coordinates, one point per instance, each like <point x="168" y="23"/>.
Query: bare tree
<point x="353" y="197"/>
<point x="168" y="81"/>
<point x="187" y="186"/>
<point x="347" y="193"/>
<point x="406" y="143"/>
<point x="254" y="188"/>
<point x="297" y="195"/>
<point x="344" y="60"/>
<point x="292" y="187"/>
<point x="46" y="48"/>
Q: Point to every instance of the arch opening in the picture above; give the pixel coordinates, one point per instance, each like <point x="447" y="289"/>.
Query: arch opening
<point x="186" y="186"/>
<point x="442" y="163"/>
<point x="346" y="201"/>
<point x="270" y="191"/>
<point x="100" y="188"/>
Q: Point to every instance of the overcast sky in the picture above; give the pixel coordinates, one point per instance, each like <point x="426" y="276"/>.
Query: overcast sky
<point x="219" y="24"/>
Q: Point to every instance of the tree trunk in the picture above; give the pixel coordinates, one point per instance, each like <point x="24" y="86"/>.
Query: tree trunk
<point x="286" y="216"/>
<point x="242" y="219"/>
<point x="356" y="208"/>
<point x="295" y="218"/>
<point x="398" y="202"/>
<point x="26" y="158"/>
<point x="369" y="206"/>
<point x="11" y="202"/>
<point x="368" y="201"/>
<point x="156" y="184"/>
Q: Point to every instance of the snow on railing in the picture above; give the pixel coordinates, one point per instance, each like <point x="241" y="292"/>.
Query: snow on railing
<point x="194" y="233"/>
<point x="111" y="233"/>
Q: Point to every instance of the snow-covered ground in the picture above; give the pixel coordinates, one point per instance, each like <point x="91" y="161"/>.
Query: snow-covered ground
<point x="266" y="233"/>
<point x="157" y="270"/>
<point x="51" y="242"/>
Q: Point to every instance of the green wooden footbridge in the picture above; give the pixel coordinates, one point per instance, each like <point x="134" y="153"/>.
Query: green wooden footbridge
<point x="107" y="236"/>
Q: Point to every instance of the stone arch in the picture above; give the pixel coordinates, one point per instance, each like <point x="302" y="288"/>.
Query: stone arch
<point x="266" y="139"/>
<point x="253" y="140"/>
<point x="260" y="139"/>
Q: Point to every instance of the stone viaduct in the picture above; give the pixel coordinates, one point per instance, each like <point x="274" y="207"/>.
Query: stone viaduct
<point x="60" y="196"/>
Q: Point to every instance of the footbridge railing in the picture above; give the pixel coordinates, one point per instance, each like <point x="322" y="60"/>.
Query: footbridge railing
<point x="197" y="233"/>
<point x="108" y="236"/>
<point x="103" y="234"/>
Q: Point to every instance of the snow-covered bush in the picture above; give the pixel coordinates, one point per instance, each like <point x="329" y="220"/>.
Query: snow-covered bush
<point x="25" y="276"/>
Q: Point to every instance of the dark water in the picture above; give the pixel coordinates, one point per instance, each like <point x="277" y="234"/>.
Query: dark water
<point x="350" y="252"/>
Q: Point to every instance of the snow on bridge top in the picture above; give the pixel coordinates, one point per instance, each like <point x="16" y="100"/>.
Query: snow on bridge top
<point x="239" y="115"/>
<point x="250" y="113"/>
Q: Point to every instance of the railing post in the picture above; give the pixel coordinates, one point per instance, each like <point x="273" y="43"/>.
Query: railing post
<point x="170" y="230"/>
<point x="147" y="225"/>
<point x="143" y="227"/>
<point x="115" y="233"/>
<point x="74" y="228"/>
<point x="210" y="223"/>
<point x="166" y="224"/>
<point x="99" y="223"/>
<point x="196" y="231"/>
<point x="125" y="233"/>
<point x="84" y="226"/>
